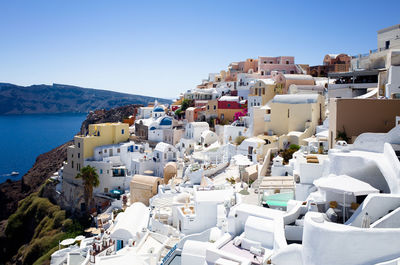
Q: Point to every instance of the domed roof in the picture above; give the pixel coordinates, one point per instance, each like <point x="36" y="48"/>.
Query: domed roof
<point x="158" y="109"/>
<point x="166" y="121"/>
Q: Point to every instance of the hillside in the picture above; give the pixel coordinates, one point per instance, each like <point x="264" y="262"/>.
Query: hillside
<point x="58" y="98"/>
<point x="31" y="223"/>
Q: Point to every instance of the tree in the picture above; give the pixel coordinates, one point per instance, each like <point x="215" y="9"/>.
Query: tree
<point x="90" y="179"/>
<point x="186" y="103"/>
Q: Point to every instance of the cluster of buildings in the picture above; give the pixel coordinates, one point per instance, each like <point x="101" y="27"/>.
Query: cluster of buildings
<point x="267" y="162"/>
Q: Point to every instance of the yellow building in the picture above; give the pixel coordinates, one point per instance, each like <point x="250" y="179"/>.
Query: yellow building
<point x="98" y="135"/>
<point x="295" y="116"/>
<point x="261" y="92"/>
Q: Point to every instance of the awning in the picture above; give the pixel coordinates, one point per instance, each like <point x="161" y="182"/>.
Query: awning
<point x="370" y="94"/>
<point x="345" y="184"/>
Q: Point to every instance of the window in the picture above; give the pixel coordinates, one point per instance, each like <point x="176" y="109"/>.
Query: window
<point x="265" y="62"/>
<point x="122" y="131"/>
<point x="79" y="155"/>
<point x="101" y="171"/>
<point x="288" y="113"/>
<point x="208" y="107"/>
<point x="263" y="90"/>
<point x="165" y="155"/>
<point x="292" y="72"/>
<point x="108" y="171"/>
<point x="72" y="164"/>
<point x="118" y="150"/>
<point x="105" y="150"/>
<point x="215" y="107"/>
<point x="158" y="155"/>
<point x="387" y="44"/>
<point x="79" y="145"/>
<point x="287" y="62"/>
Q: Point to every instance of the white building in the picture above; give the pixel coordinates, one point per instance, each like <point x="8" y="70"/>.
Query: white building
<point x="162" y="154"/>
<point x="115" y="164"/>
<point x="194" y="130"/>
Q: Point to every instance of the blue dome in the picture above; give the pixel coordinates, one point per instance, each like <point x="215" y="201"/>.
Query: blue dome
<point x="152" y="128"/>
<point x="166" y="121"/>
<point x="158" y="109"/>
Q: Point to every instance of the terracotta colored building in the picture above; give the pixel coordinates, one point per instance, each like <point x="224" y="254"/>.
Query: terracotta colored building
<point x="331" y="63"/>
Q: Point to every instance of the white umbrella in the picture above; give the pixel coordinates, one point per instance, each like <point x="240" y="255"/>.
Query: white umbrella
<point x="67" y="242"/>
<point x="345" y="184"/>
<point x="79" y="238"/>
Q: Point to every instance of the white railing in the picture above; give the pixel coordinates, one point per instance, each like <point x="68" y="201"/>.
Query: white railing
<point x="351" y="85"/>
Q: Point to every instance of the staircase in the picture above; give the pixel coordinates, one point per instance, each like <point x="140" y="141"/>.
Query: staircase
<point x="396" y="148"/>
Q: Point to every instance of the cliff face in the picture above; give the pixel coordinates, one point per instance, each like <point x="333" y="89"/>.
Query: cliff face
<point x="112" y="115"/>
<point x="45" y="165"/>
<point x="58" y="98"/>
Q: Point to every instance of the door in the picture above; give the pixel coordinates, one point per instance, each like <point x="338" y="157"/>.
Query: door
<point x="250" y="153"/>
<point x="111" y="152"/>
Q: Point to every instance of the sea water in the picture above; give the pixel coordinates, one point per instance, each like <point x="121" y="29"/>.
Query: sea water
<point x="24" y="137"/>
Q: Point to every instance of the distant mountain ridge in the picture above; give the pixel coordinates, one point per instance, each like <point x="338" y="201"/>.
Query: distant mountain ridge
<point x="58" y="98"/>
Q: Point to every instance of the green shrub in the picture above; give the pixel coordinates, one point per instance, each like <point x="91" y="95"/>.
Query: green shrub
<point x="35" y="229"/>
<point x="294" y="147"/>
<point x="44" y="260"/>
<point x="239" y="140"/>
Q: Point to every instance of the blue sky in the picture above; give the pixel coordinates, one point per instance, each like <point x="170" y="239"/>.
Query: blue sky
<point x="162" y="48"/>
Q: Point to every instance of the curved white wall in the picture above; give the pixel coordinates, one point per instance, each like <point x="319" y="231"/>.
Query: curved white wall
<point x="331" y="244"/>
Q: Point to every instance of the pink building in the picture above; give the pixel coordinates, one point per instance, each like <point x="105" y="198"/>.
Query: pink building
<point x="282" y="64"/>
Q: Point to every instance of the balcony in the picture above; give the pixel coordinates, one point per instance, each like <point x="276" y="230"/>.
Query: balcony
<point x="119" y="171"/>
<point x="353" y="85"/>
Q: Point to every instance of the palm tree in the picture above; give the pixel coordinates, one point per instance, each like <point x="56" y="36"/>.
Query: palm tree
<point x="90" y="179"/>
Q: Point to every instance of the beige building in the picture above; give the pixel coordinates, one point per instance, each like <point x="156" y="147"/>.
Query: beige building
<point x="357" y="116"/>
<point x="143" y="188"/>
<point x="283" y="81"/>
<point x="295" y="116"/>
<point x="211" y="110"/>
<point x="261" y="92"/>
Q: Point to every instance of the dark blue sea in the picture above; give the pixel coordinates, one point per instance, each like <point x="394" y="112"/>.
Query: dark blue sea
<point x="24" y="137"/>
